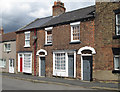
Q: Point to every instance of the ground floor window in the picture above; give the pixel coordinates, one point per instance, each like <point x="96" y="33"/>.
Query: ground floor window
<point x="64" y="63"/>
<point x="2" y="63"/>
<point x="60" y="61"/>
<point x="117" y="62"/>
<point x="25" y="62"/>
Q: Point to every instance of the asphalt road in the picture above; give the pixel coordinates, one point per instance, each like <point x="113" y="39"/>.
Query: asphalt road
<point x="15" y="84"/>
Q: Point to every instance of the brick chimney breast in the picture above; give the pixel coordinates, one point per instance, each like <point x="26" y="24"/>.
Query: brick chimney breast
<point x="58" y="8"/>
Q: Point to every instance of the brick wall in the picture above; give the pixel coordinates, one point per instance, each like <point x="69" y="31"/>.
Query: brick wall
<point x="20" y="43"/>
<point x="104" y="32"/>
<point x="61" y="41"/>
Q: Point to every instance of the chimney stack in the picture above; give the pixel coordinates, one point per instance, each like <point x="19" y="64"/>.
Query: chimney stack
<point x="58" y="8"/>
<point x="1" y="31"/>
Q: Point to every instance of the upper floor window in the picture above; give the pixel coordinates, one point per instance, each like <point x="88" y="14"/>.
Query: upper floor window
<point x="27" y="39"/>
<point x="75" y="31"/>
<point x="118" y="24"/>
<point x="117" y="62"/>
<point x="48" y="35"/>
<point x="7" y="47"/>
<point x="3" y="63"/>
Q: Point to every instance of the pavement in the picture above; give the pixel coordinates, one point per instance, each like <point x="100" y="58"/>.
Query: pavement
<point x="65" y="81"/>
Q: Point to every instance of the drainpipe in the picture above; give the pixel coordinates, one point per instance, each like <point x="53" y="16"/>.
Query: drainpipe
<point x="35" y="35"/>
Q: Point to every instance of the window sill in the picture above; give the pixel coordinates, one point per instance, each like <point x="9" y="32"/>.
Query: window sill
<point x="26" y="46"/>
<point x="116" y="37"/>
<point x="76" y="42"/>
<point x="7" y="51"/>
<point x="3" y="67"/>
<point x="48" y="45"/>
<point x="115" y="71"/>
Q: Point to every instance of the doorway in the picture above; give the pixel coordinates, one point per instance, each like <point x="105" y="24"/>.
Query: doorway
<point x="87" y="68"/>
<point x="11" y="65"/>
<point x="71" y="66"/>
<point x="42" y="66"/>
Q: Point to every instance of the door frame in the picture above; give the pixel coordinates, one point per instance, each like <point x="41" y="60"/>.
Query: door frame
<point x="40" y="64"/>
<point x="19" y="61"/>
<point x="72" y="63"/>
<point x="80" y="52"/>
<point x="12" y="65"/>
<point x="38" y="54"/>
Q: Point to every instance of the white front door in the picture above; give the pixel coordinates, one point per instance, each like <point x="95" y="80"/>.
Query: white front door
<point x="11" y="65"/>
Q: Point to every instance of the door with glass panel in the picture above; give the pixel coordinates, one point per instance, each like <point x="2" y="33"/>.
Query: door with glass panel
<point x="11" y="65"/>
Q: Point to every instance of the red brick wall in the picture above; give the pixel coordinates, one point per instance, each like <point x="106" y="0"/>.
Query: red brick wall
<point x="61" y="41"/>
<point x="20" y="43"/>
<point x="104" y="32"/>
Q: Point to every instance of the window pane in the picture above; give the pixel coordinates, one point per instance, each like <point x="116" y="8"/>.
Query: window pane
<point x="27" y="39"/>
<point x="27" y="60"/>
<point x="7" y="47"/>
<point x="118" y="18"/>
<point x="117" y="63"/>
<point x="27" y="42"/>
<point x="60" y="61"/>
<point x="49" y="36"/>
<point x="3" y="63"/>
<point x="76" y="33"/>
<point x="27" y="36"/>
<point x="119" y="29"/>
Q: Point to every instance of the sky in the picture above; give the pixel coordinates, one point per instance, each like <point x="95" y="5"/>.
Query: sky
<point x="15" y="14"/>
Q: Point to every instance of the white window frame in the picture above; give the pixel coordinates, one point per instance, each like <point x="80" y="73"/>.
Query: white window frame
<point x="72" y="25"/>
<point x="27" y="45"/>
<point x="3" y="62"/>
<point x="117" y="24"/>
<point x="64" y="73"/>
<point x="23" y="68"/>
<point x="6" y="48"/>
<point x="60" y="62"/>
<point x="118" y="56"/>
<point x="46" y="30"/>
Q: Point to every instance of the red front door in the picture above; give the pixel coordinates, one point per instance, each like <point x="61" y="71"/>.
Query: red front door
<point x="20" y="64"/>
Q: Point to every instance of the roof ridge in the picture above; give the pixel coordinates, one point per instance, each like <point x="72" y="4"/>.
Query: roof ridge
<point x="79" y="9"/>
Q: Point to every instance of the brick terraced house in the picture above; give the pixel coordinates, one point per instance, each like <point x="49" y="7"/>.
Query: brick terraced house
<point x="7" y="51"/>
<point x="65" y="44"/>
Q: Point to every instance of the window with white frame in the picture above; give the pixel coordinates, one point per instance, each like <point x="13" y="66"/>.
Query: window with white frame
<point x="27" y="39"/>
<point x="60" y="61"/>
<point x="48" y="37"/>
<point x="27" y="61"/>
<point x="2" y="63"/>
<point x="118" y="24"/>
<point x="75" y="31"/>
<point x="117" y="62"/>
<point x="7" y="47"/>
